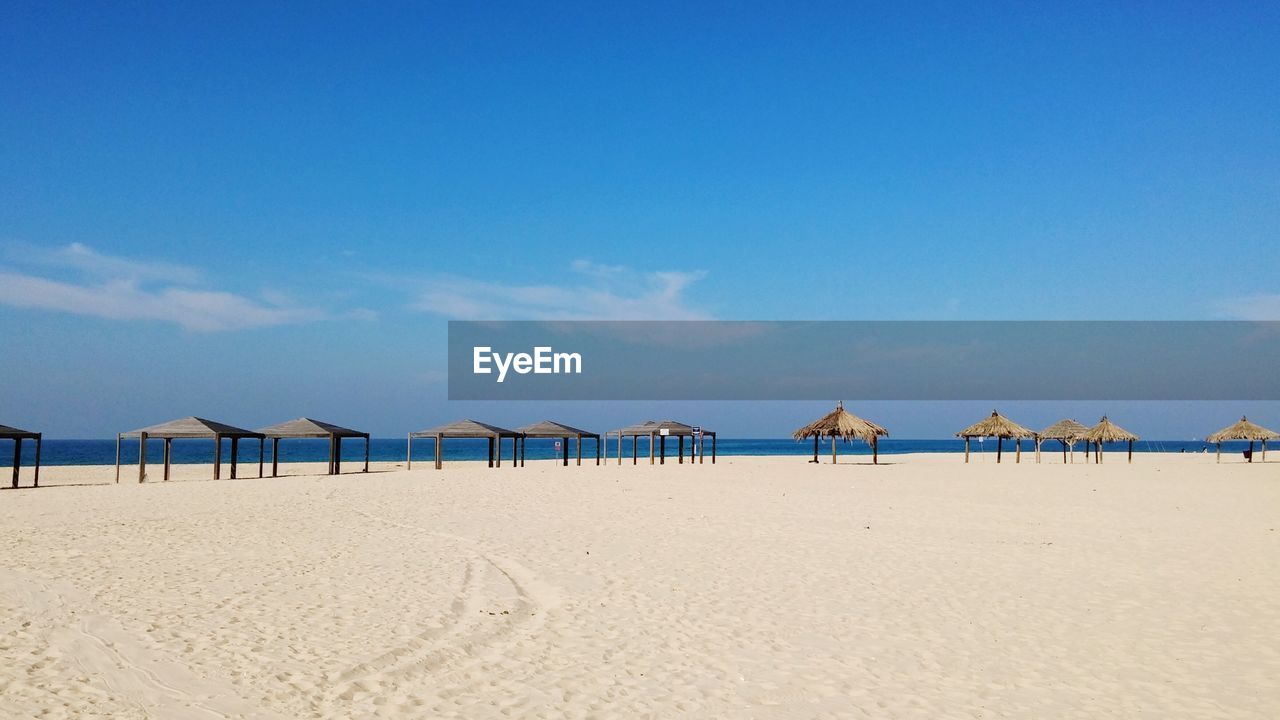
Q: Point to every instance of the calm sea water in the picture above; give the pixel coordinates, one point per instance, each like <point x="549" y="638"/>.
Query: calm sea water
<point x="103" y="452"/>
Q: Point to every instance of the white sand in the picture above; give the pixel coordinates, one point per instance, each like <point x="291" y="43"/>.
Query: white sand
<point x="758" y="588"/>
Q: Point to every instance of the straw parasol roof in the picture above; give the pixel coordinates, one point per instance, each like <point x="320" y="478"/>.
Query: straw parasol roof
<point x="1065" y="429"/>
<point x="1107" y="431"/>
<point x="997" y="426"/>
<point x="1243" y="430"/>
<point x="842" y="424"/>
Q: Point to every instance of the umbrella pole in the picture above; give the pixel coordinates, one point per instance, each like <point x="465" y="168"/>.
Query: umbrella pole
<point x="966" y="450"/>
<point x="833" y="449"/>
<point x="815" y="448"/>
<point x="999" y="447"/>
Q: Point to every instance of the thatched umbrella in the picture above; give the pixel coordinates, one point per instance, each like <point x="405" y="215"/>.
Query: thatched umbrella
<point x="1065" y="431"/>
<point x="999" y="427"/>
<point x="1104" y="432"/>
<point x="1244" y="430"/>
<point x="840" y="423"/>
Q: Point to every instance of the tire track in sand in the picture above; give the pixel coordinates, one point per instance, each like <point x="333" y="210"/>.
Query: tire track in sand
<point x="100" y="646"/>
<point x="468" y="636"/>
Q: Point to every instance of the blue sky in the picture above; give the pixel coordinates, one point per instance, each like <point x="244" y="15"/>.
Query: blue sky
<point x="244" y="211"/>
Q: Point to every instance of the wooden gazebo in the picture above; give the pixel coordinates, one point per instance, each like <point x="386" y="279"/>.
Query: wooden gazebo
<point x="999" y="427"/>
<point x="844" y="425"/>
<point x="1065" y="431"/>
<point x="308" y="428"/>
<point x="1244" y="430"/>
<point x="658" y="432"/>
<point x="191" y="428"/>
<point x="557" y="431"/>
<point x="467" y="429"/>
<point x="17" y="436"/>
<point x="1104" y="432"/>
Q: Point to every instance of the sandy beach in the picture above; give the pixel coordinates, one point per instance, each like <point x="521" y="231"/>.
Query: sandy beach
<point x="757" y="588"/>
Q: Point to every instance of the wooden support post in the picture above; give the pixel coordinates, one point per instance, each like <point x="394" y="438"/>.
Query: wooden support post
<point x="966" y="449"/>
<point x="651" y="441"/>
<point x="1250" y="451"/>
<point x="564" y="451"/>
<point x="235" y="455"/>
<point x="366" y="453"/>
<point x="1037" y="451"/>
<point x="217" y="457"/>
<point x="168" y="456"/>
<point x="439" y="451"/>
<point x="497" y="444"/>
<point x="142" y="457"/>
<point x="40" y="438"/>
<point x="1017" y="456"/>
<point x="713" y="449"/>
<point x="597" y="451"/>
<point x="1130" y="452"/>
<point x="833" y="449"/>
<point x="999" y="447"/>
<point x="524" y="445"/>
<point x="662" y="454"/>
<point x="275" y="457"/>
<point x="1219" y="452"/>
<point x="681" y="449"/>
<point x="262" y="451"/>
<point x="119" y="437"/>
<point x="875" y="450"/>
<point x="490" y="452"/>
<point x="579" y="461"/>
<point x="17" y="459"/>
<point x="1264" y="453"/>
<point x="408" y="454"/>
<point x="337" y="454"/>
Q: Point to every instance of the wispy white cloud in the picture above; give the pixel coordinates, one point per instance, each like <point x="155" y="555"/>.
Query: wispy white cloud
<point x="595" y="292"/>
<point x="1259" y="306"/>
<point x="120" y="288"/>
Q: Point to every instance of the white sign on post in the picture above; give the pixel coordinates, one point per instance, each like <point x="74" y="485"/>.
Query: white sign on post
<point x="664" y="431"/>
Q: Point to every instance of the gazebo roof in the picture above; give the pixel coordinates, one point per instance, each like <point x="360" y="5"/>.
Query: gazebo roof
<point x="308" y="428"/>
<point x="467" y="429"/>
<point x="842" y="424"/>
<point x="1065" y="429"/>
<point x="996" y="426"/>
<point x="650" y="427"/>
<point x="1243" y="430"/>
<point x="192" y="427"/>
<point x="1107" y="431"/>
<point x="15" y="433"/>
<point x="552" y="429"/>
<point x="644" y="428"/>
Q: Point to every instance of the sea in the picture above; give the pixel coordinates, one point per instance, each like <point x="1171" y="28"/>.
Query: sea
<point x="103" y="452"/>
